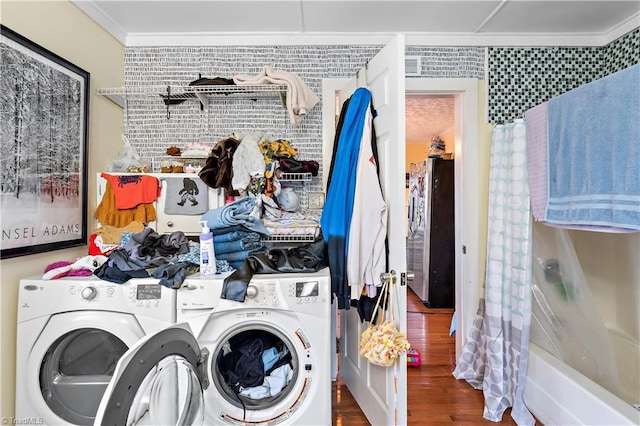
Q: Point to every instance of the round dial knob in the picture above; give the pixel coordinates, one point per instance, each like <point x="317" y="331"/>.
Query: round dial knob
<point x="252" y="291"/>
<point x="89" y="293"/>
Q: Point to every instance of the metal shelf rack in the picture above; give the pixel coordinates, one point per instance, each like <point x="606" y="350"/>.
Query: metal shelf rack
<point x="295" y="177"/>
<point x="201" y="93"/>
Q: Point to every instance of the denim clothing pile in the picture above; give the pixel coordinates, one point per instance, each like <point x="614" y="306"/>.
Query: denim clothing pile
<point x="245" y="212"/>
<point x="235" y="243"/>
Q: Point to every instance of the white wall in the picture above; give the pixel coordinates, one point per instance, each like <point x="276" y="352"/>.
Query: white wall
<point x="62" y="28"/>
<point x="611" y="264"/>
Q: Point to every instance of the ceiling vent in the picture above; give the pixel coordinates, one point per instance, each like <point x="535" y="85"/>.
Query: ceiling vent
<point x="412" y="66"/>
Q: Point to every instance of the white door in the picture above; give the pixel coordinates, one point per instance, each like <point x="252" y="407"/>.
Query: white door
<point x="382" y="392"/>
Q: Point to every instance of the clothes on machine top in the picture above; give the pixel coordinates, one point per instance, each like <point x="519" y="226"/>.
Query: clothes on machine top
<point x="148" y="253"/>
<point x="304" y="258"/>
<point x="241" y="244"/>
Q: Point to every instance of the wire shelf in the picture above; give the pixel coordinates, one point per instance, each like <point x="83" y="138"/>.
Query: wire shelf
<point x="295" y="177"/>
<point x="290" y="239"/>
<point x="201" y="93"/>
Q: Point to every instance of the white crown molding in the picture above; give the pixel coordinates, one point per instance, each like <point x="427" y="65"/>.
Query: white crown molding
<point x="503" y="40"/>
<point x="412" y="39"/>
<point x="97" y="14"/>
<point x="625" y="27"/>
<point x="254" y="39"/>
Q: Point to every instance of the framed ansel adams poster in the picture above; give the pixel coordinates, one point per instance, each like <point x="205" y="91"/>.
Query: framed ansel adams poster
<point x="44" y="107"/>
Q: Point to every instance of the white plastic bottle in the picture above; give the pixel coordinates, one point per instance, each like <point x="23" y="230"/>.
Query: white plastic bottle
<point x="207" y="254"/>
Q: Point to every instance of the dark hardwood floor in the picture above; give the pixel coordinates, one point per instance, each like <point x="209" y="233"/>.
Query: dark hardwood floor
<point x="434" y="396"/>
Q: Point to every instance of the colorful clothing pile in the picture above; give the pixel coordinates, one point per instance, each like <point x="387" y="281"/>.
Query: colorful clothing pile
<point x="128" y="198"/>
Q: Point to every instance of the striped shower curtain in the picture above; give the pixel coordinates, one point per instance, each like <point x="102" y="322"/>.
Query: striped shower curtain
<point x="495" y="355"/>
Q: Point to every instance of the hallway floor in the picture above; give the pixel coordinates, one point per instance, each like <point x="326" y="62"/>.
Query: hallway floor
<point x="435" y="397"/>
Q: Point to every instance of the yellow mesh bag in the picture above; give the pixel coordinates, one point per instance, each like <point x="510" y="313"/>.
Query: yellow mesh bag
<point x="382" y="344"/>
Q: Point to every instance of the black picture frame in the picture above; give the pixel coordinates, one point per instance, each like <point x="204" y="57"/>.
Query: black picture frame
<point x="44" y="129"/>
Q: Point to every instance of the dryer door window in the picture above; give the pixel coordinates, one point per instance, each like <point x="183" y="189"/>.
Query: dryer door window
<point x="75" y="372"/>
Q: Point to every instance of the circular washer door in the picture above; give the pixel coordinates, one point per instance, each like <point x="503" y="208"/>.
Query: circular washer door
<point x="292" y="385"/>
<point x="158" y="381"/>
<point x="73" y="360"/>
<point x="255" y="367"/>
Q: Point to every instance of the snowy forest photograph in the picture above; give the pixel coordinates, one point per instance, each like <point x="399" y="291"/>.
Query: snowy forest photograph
<point x="43" y="141"/>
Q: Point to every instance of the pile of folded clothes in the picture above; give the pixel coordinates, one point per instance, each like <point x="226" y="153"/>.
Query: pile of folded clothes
<point x="283" y="223"/>
<point x="237" y="230"/>
<point x="235" y="243"/>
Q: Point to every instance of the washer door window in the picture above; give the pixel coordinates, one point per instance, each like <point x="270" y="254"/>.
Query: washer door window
<point x="76" y="370"/>
<point x="254" y="368"/>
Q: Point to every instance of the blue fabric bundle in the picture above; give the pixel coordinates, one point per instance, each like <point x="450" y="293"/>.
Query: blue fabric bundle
<point x="235" y="213"/>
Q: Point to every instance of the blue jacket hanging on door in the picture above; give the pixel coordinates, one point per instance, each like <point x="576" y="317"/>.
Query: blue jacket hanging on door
<point x="336" y="214"/>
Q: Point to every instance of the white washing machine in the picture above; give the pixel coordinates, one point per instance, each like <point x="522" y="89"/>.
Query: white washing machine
<point x="71" y="333"/>
<point x="177" y="376"/>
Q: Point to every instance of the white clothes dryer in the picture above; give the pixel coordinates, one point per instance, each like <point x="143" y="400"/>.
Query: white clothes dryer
<point x="71" y="332"/>
<point x="179" y="376"/>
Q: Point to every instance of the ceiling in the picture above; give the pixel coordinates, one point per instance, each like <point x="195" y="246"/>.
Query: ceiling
<point x="427" y="116"/>
<point x="443" y="22"/>
<point x="429" y="23"/>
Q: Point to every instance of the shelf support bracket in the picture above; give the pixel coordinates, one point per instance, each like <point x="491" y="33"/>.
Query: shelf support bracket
<point x="203" y="100"/>
<point x="168" y="102"/>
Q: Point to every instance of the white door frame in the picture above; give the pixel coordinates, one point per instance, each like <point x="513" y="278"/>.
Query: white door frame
<point x="467" y="213"/>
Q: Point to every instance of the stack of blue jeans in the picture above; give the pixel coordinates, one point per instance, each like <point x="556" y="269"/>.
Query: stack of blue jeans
<point x="235" y="243"/>
<point x="238" y="212"/>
